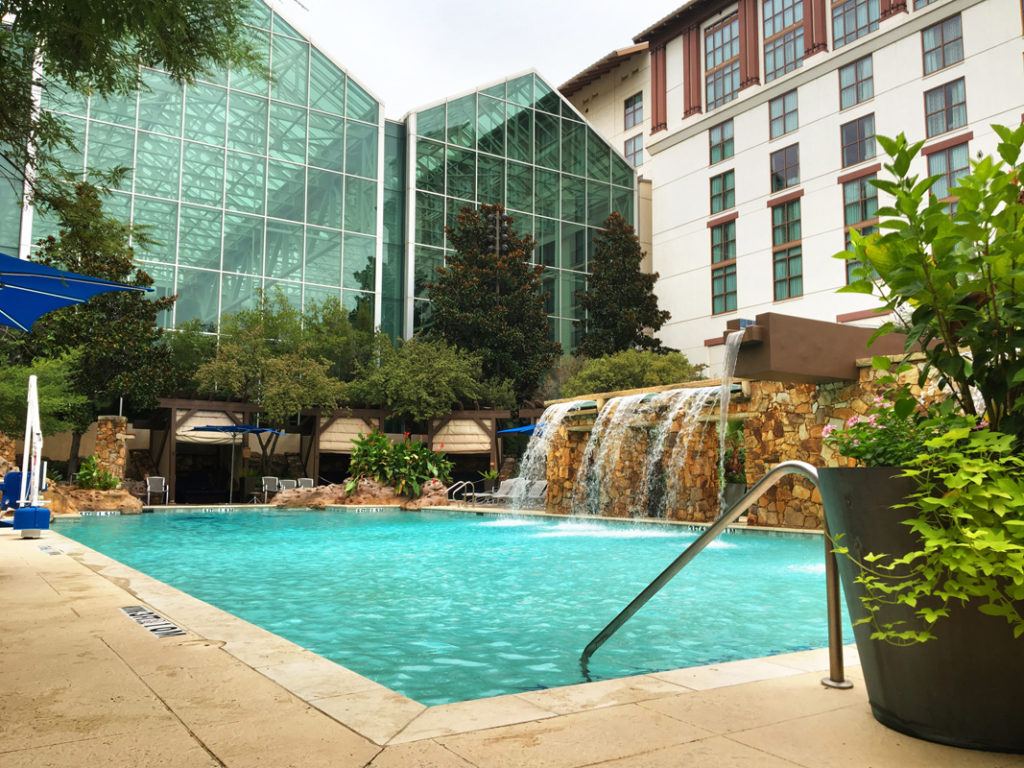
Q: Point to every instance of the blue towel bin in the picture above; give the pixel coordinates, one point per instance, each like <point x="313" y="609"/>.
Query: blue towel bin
<point x="31" y="519"/>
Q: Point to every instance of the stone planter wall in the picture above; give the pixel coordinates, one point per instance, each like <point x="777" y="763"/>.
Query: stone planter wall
<point x="111" y="444"/>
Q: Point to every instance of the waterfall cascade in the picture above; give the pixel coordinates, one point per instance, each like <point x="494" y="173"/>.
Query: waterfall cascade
<point x="534" y="463"/>
<point x="636" y="447"/>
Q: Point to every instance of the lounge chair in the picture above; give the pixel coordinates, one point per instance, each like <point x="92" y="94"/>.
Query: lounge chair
<point x="287" y="485"/>
<point x="504" y="493"/>
<point x="271" y="485"/>
<point x="157" y="486"/>
<point x="537" y="495"/>
<point x="307" y="482"/>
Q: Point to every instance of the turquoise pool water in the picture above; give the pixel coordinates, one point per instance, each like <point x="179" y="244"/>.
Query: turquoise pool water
<point x="448" y="606"/>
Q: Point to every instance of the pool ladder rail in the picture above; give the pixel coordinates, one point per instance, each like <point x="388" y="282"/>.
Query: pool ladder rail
<point x="836" y="677"/>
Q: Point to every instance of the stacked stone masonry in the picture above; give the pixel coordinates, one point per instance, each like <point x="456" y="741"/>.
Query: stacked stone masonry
<point x="782" y="422"/>
<point x="112" y="444"/>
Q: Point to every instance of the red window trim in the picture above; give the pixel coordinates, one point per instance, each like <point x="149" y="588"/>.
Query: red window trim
<point x="659" y="120"/>
<point x="786" y="198"/>
<point x="725" y="219"/>
<point x="860" y="173"/>
<point x="952" y="141"/>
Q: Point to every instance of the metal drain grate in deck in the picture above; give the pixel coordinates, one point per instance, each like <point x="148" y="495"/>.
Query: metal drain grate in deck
<point x="154" y="622"/>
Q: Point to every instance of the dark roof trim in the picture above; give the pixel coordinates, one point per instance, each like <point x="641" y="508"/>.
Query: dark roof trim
<point x="599" y="69"/>
<point x="689" y="13"/>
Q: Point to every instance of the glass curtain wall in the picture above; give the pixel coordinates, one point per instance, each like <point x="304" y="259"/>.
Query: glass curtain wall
<point x="243" y="183"/>
<point x="520" y="144"/>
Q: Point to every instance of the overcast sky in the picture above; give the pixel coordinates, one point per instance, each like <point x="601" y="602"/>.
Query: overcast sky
<point x="411" y="52"/>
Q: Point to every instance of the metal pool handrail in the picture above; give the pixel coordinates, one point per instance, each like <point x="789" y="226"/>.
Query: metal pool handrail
<point x="836" y="677"/>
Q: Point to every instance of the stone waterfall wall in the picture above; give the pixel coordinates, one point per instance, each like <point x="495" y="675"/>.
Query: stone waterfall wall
<point x="782" y="422"/>
<point x="111" y="444"/>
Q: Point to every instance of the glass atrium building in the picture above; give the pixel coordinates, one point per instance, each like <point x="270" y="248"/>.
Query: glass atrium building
<point x="299" y="184"/>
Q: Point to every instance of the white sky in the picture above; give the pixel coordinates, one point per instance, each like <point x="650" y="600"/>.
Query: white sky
<point x="413" y="52"/>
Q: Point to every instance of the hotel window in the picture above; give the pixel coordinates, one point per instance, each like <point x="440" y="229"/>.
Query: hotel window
<point x="943" y="45"/>
<point x="783" y="37"/>
<point x="723" y="268"/>
<point x="950" y="165"/>
<point x="945" y="108"/>
<point x="785" y="166"/>
<point x="858" y="140"/>
<point x="723" y="191"/>
<point x="634" y="110"/>
<point x="634" y="150"/>
<point x="720" y="142"/>
<point x="787" y="256"/>
<point x="919" y="4"/>
<point x="852" y="19"/>
<point x="860" y="212"/>
<point x="856" y="83"/>
<point x="722" y="61"/>
<point x="783" y="116"/>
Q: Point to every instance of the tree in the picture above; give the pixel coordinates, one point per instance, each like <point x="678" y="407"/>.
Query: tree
<point x="423" y="379"/>
<point x="631" y="369"/>
<point x="487" y="299"/>
<point x="264" y="358"/>
<point x="57" y="396"/>
<point x="622" y="310"/>
<point x="183" y="352"/>
<point x="97" y="46"/>
<point x="330" y="335"/>
<point x="116" y="333"/>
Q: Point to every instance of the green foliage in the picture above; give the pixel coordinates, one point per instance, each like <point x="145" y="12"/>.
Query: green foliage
<point x="183" y="352"/>
<point x="264" y="358"/>
<point x="487" y="299"/>
<point x="404" y="466"/>
<point x="970" y="523"/>
<point x="622" y="310"/>
<point x="958" y="278"/>
<point x="892" y="432"/>
<point x="94" y="46"/>
<point x="58" y="399"/>
<point x="422" y="379"/>
<point x="111" y="342"/>
<point x="631" y="369"/>
<point x="91" y="477"/>
<point x="735" y="454"/>
<point x="490" y="474"/>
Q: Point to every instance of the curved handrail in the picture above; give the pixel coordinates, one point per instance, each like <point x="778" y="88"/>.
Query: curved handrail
<point x="460" y="486"/>
<point x="836" y="678"/>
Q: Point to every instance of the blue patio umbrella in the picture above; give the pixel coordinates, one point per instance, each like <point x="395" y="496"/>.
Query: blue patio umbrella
<point x="29" y="290"/>
<point x="527" y="430"/>
<point x="234" y="429"/>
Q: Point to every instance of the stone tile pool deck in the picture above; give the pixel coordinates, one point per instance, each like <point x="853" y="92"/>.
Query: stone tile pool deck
<point x="81" y="684"/>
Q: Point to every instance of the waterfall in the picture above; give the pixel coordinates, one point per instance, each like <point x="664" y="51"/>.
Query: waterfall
<point x="534" y="463"/>
<point x="602" y="451"/>
<point x="732" y="351"/>
<point x="690" y="425"/>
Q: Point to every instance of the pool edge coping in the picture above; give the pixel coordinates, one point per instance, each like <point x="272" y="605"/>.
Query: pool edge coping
<point x="387" y="717"/>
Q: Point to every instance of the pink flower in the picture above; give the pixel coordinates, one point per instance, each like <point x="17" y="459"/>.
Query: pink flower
<point x="873" y="420"/>
<point x="828" y="430"/>
<point x="853" y="421"/>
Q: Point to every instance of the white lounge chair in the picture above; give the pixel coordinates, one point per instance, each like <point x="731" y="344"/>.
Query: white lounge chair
<point x="271" y="485"/>
<point x="307" y="482"/>
<point x="504" y="493"/>
<point x="287" y="485"/>
<point x="537" y="495"/>
<point x="157" y="486"/>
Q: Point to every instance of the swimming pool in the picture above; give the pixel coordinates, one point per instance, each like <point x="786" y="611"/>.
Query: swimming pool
<point x="448" y="606"/>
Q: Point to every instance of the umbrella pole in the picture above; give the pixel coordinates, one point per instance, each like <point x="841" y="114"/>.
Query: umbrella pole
<point x="231" y="473"/>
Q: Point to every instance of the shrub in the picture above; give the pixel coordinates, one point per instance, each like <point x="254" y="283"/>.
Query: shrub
<point x="405" y="466"/>
<point x="631" y="369"/>
<point x="91" y="477"/>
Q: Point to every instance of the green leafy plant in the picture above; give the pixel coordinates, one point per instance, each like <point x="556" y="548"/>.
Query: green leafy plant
<point x="631" y="369"/>
<point x="735" y="454"/>
<point x="954" y="276"/>
<point x="91" y="477"/>
<point x="490" y="474"/>
<point x="404" y="466"/>
<point x="970" y="524"/>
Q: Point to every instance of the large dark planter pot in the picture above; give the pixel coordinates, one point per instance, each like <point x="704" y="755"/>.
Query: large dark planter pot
<point x="965" y="688"/>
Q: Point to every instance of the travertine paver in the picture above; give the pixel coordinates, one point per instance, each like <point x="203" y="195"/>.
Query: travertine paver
<point x="82" y="685"/>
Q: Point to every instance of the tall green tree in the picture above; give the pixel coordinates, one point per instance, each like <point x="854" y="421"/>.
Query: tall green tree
<point x="422" y="379"/>
<point x="115" y="334"/>
<point x="631" y="369"/>
<point x="97" y="47"/>
<point x="58" y="400"/>
<point x="622" y="310"/>
<point x="487" y="299"/>
<point x="265" y="357"/>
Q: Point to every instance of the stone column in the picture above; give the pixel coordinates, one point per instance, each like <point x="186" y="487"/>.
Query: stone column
<point x="111" y="444"/>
